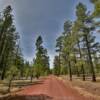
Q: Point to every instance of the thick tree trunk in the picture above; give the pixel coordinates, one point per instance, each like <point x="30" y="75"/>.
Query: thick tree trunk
<point x="90" y="60"/>
<point x="4" y="64"/>
<point x="3" y="73"/>
<point x="3" y="69"/>
<point x="83" y="72"/>
<point x="3" y="49"/>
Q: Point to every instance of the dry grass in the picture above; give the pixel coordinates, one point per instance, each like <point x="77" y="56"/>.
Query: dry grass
<point x="86" y="88"/>
<point x="16" y="86"/>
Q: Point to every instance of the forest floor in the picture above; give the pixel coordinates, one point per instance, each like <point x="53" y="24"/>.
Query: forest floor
<point x="85" y="88"/>
<point x="17" y="85"/>
<point x="50" y="88"/>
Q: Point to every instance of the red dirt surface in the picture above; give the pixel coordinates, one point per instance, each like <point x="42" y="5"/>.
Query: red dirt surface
<point x="50" y="88"/>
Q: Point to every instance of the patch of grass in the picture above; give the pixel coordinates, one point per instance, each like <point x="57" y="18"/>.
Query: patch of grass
<point x="87" y="87"/>
<point x="16" y="85"/>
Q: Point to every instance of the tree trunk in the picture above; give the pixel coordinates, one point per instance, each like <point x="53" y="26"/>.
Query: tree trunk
<point x="9" y="86"/>
<point x="31" y="78"/>
<point x="83" y="72"/>
<point x="90" y="60"/>
<point x="82" y="66"/>
<point x="3" y="73"/>
<point x="76" y="68"/>
<point x="3" y="69"/>
<point x="59" y="65"/>
<point x="70" y="71"/>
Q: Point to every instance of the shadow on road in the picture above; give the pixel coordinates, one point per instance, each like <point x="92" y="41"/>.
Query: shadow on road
<point x="24" y="97"/>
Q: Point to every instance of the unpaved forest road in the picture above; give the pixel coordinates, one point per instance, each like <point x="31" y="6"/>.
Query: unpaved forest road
<point x="50" y="88"/>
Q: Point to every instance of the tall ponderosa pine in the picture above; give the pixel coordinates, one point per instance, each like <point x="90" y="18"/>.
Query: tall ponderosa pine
<point x="41" y="62"/>
<point x="8" y="41"/>
<point x="67" y="45"/>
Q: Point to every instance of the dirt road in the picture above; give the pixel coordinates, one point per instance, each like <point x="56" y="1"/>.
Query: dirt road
<point x="50" y="88"/>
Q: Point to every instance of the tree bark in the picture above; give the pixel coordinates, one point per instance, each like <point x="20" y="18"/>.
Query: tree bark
<point x="70" y="71"/>
<point x="90" y="60"/>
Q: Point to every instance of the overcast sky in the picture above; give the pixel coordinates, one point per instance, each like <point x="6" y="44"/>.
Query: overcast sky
<point x="41" y="17"/>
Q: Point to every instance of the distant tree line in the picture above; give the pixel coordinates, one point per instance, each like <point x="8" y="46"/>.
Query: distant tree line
<point x="78" y="50"/>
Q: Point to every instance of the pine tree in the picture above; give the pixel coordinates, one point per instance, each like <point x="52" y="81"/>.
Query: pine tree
<point x="10" y="54"/>
<point x="86" y="28"/>
<point x="57" y="68"/>
<point x="8" y="40"/>
<point x="41" y="62"/>
<point x="96" y="12"/>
